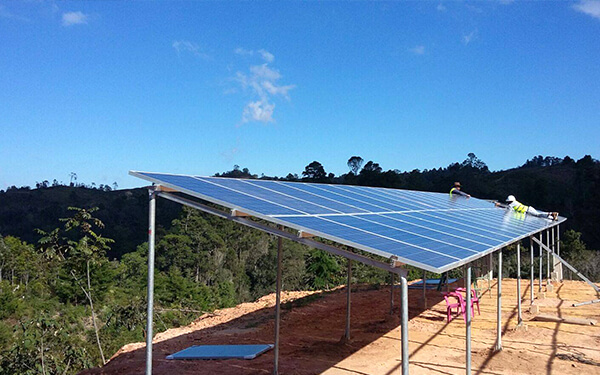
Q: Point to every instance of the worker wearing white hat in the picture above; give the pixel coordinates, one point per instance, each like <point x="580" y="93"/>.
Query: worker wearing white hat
<point x="518" y="207"/>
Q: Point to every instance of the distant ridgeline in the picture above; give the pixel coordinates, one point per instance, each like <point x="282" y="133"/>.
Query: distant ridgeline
<point x="124" y="212"/>
<point x="548" y="183"/>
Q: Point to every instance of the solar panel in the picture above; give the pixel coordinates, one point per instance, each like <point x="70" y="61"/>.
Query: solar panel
<point x="432" y="231"/>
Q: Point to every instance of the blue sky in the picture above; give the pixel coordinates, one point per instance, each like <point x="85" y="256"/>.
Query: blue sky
<point x="103" y="87"/>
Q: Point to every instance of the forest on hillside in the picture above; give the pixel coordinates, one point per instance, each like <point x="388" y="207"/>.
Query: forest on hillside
<point x="73" y="258"/>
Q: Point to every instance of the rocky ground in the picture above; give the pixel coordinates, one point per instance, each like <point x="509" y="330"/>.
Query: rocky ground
<point x="313" y="324"/>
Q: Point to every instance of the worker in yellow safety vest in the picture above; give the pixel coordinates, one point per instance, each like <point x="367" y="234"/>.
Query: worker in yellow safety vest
<point x="518" y="207"/>
<point x="456" y="190"/>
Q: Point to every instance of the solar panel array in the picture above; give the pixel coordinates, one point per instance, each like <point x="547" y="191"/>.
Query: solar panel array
<point x="432" y="231"/>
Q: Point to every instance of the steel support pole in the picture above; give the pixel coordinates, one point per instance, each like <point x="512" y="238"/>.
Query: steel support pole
<point x="469" y="318"/>
<point x="348" y="293"/>
<point x="404" y="323"/>
<point x="424" y="289"/>
<point x="520" y="316"/>
<point x="277" y="306"/>
<point x="558" y="240"/>
<point x="554" y="251"/>
<point x="499" y="307"/>
<point x="531" y="272"/>
<point x="490" y="272"/>
<point x="150" y="296"/>
<point x="548" y="259"/>
<point x="541" y="264"/>
<point x="392" y="279"/>
<point x="560" y="276"/>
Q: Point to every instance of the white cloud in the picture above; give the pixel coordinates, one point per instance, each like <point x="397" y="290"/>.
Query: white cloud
<point x="5" y="13"/>
<point x="589" y="7"/>
<point x="278" y="90"/>
<point x="264" y="54"/>
<point x="466" y="39"/>
<point x="261" y="111"/>
<point x="441" y="7"/>
<point x="187" y="46"/>
<point x="243" y="52"/>
<point x="418" y="50"/>
<point x="267" y="56"/>
<point x="74" y="18"/>
<point x="264" y="72"/>
<point x="262" y="82"/>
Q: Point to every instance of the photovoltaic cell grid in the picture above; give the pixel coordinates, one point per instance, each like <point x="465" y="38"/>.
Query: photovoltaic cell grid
<point x="432" y="231"/>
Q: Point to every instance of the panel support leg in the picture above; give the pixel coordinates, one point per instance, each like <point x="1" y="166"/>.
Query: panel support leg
<point x="404" y="323"/>
<point x="499" y="307"/>
<point x="469" y="318"/>
<point x="553" y="247"/>
<point x="548" y="260"/>
<point x="348" y="306"/>
<point x="392" y="280"/>
<point x="560" y="269"/>
<point x="490" y="273"/>
<point x="150" y="296"/>
<point x="531" y="271"/>
<point x="520" y="316"/>
<point x="541" y="264"/>
<point x="277" y="306"/>
<point x="424" y="290"/>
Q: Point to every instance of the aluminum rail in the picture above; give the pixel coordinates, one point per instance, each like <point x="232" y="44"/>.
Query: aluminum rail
<point x="290" y="236"/>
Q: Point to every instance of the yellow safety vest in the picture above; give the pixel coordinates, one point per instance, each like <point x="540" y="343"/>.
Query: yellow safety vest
<point x="451" y="190"/>
<point x="520" y="208"/>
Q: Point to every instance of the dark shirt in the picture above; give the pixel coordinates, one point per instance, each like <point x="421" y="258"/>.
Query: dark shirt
<point x="458" y="192"/>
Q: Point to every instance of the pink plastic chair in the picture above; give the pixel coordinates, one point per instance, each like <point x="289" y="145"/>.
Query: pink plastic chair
<point x="459" y="306"/>
<point x="474" y="299"/>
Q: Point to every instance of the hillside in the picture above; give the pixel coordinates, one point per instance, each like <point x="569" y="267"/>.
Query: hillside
<point x="124" y="212"/>
<point x="313" y="323"/>
<point x="551" y="184"/>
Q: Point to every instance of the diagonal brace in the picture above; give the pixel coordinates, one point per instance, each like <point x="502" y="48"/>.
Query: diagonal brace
<point x="596" y="288"/>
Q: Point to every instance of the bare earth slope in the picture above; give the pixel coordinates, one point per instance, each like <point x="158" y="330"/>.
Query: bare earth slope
<point x="313" y="324"/>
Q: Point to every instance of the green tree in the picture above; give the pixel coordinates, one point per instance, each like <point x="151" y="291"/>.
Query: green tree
<point x="355" y="163"/>
<point x="314" y="172"/>
<point x="322" y="269"/>
<point x="87" y="249"/>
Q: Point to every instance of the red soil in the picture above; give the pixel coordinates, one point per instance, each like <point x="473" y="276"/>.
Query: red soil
<point x="311" y="333"/>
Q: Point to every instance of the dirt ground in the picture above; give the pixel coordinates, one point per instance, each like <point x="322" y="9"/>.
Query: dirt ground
<point x="313" y="324"/>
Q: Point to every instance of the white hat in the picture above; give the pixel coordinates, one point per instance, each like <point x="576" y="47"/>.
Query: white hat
<point x="511" y="198"/>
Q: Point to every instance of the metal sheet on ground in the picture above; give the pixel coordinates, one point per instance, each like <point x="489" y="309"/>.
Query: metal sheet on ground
<point x="221" y="352"/>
